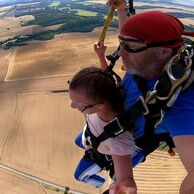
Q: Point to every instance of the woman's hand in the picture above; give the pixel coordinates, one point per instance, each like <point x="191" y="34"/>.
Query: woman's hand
<point x="120" y="188"/>
<point x="125" y="183"/>
<point x="100" y="49"/>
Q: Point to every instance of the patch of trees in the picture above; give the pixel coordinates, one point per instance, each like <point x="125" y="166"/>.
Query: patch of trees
<point x="82" y="24"/>
<point x="47" y="16"/>
<point x="189" y="28"/>
<point x="16" y="41"/>
<point x="48" y="35"/>
<point x="65" y="14"/>
<point x="51" y="16"/>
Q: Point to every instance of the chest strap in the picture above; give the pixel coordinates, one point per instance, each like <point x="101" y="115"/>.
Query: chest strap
<point x="110" y="131"/>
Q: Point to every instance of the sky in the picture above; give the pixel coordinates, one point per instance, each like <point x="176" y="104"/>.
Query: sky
<point x="188" y="2"/>
<point x="182" y="2"/>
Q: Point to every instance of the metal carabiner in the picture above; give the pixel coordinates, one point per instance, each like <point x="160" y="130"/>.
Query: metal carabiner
<point x="183" y="55"/>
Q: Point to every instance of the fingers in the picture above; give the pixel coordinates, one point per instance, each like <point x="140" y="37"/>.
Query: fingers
<point x="116" y="188"/>
<point x="112" y="3"/>
<point x="100" y="45"/>
<point x="127" y="190"/>
<point x="113" y="189"/>
<point x="116" y="3"/>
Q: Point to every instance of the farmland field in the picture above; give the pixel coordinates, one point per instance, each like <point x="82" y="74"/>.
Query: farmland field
<point x="38" y="126"/>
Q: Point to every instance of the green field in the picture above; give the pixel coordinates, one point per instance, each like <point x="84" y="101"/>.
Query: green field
<point x="55" y="4"/>
<point x="82" y="12"/>
<point x="77" y="16"/>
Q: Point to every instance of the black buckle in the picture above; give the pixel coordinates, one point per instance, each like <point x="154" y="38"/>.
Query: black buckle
<point x="119" y="127"/>
<point x="108" y="157"/>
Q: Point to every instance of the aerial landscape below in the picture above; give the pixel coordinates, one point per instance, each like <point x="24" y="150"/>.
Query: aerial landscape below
<point x="42" y="44"/>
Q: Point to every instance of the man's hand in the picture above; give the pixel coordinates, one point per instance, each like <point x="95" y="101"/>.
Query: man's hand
<point x="117" y="4"/>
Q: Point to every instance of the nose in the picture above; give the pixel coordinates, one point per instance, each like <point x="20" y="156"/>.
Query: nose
<point x="73" y="105"/>
<point x="122" y="52"/>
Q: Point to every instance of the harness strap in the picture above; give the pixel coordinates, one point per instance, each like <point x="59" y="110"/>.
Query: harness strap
<point x="177" y="73"/>
<point x="124" y="122"/>
<point x="113" y="129"/>
<point x="131" y="10"/>
<point x="153" y="107"/>
<point x="104" y="161"/>
<point x="113" y="58"/>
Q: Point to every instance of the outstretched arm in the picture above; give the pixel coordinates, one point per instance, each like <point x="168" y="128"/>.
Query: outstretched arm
<point x="120" y="5"/>
<point x="124" y="176"/>
<point x="100" y="50"/>
<point x="184" y="145"/>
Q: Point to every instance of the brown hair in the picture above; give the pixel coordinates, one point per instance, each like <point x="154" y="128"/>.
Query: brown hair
<point x="99" y="85"/>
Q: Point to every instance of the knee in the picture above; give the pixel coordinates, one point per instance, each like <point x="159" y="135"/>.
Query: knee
<point x="78" y="140"/>
<point x="78" y="175"/>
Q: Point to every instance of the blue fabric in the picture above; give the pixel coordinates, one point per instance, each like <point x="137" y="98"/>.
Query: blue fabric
<point x="178" y="121"/>
<point x="86" y="172"/>
<point x="132" y="93"/>
<point x="78" y="140"/>
<point x="138" y="158"/>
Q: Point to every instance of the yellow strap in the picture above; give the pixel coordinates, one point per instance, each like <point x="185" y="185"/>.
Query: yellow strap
<point x="107" y="24"/>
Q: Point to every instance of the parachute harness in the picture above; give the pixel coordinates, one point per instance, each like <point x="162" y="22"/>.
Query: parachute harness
<point x="177" y="77"/>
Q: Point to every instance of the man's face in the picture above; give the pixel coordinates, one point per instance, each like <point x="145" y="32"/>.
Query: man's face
<point x="138" y="59"/>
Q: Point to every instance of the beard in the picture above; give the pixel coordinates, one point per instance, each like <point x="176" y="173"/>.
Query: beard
<point x="130" y="69"/>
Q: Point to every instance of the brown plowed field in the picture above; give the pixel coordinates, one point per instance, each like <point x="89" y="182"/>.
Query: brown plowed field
<point x="38" y="127"/>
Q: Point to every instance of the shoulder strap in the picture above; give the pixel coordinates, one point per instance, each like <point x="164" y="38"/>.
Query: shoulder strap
<point x="110" y="131"/>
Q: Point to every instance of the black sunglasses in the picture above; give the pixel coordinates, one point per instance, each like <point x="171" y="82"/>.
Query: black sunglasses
<point x="141" y="45"/>
<point x="86" y="107"/>
<point x="83" y="108"/>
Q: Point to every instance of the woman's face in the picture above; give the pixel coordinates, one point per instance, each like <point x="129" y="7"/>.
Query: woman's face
<point x="80" y="102"/>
